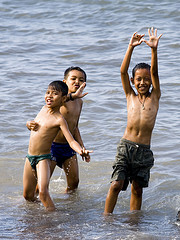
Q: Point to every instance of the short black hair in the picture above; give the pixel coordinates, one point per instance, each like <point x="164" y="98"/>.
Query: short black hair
<point x="59" y="86"/>
<point x="74" y="68"/>
<point x="140" y="66"/>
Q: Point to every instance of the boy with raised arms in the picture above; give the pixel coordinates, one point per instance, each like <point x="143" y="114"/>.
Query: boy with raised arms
<point x="62" y="154"/>
<point x="134" y="158"/>
<point x="38" y="161"/>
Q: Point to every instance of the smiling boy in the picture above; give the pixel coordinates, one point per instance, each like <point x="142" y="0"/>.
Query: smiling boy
<point x="134" y="158"/>
<point x="62" y="154"/>
<point x="38" y="160"/>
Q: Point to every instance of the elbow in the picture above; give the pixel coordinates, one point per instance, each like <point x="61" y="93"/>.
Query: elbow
<point x="122" y="71"/>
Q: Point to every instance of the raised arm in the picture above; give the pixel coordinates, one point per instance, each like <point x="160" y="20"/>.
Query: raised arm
<point x="136" y="40"/>
<point x="78" y="94"/>
<point x="153" y="43"/>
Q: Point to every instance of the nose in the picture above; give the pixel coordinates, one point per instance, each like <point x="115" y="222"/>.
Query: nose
<point x="77" y="80"/>
<point x="142" y="81"/>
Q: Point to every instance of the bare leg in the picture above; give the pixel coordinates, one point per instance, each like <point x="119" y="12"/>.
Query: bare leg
<point x="71" y="170"/>
<point x="136" y="196"/>
<point x="29" y="182"/>
<point x="43" y="173"/>
<point x="52" y="167"/>
<point x="112" y="196"/>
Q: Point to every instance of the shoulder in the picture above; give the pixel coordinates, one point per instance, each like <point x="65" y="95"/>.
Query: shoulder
<point x="131" y="94"/>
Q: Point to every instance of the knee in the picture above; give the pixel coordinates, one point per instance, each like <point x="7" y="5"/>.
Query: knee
<point x="28" y="196"/>
<point x="74" y="184"/>
<point x="116" y="186"/>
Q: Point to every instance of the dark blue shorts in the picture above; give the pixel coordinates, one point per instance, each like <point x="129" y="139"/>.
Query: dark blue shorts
<point x="61" y="152"/>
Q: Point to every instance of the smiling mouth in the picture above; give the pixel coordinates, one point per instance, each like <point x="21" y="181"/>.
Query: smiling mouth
<point x="49" y="101"/>
<point x="142" y="87"/>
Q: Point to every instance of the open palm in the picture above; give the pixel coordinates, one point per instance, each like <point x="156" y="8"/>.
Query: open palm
<point x="153" y="39"/>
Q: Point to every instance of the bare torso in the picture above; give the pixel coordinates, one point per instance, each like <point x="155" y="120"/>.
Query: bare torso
<point x="140" y="122"/>
<point x="71" y="112"/>
<point x="41" y="140"/>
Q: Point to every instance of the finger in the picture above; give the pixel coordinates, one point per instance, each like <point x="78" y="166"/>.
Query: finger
<point x="87" y="160"/>
<point x="159" y="36"/>
<point x="83" y="86"/>
<point x="84" y="94"/>
<point x="134" y="35"/>
<point x="143" y="40"/>
<point x="89" y="151"/>
<point x="155" y="32"/>
<point x="152" y="31"/>
<point x="149" y="32"/>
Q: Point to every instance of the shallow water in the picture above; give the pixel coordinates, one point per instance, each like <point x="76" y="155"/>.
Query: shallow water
<point x="39" y="40"/>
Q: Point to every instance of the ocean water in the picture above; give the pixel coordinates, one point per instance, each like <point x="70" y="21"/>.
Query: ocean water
<point x="38" y="41"/>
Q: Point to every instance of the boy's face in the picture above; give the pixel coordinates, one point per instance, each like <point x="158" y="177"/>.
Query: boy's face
<point x="74" y="80"/>
<point x="54" y="98"/>
<point x="142" y="80"/>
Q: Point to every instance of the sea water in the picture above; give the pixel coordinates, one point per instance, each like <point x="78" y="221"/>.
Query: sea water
<point x="38" y="41"/>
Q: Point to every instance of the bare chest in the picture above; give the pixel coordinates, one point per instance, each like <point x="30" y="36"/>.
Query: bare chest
<point x="71" y="112"/>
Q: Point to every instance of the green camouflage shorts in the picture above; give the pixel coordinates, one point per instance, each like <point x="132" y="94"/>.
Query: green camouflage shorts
<point x="133" y="162"/>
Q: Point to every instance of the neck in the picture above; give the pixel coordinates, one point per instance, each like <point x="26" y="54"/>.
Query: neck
<point x="143" y="96"/>
<point x="52" y="110"/>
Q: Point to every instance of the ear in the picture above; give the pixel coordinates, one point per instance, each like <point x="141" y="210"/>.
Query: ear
<point x="64" y="80"/>
<point x="64" y="98"/>
<point x="132" y="80"/>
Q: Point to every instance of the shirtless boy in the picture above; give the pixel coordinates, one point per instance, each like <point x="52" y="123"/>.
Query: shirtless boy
<point x="134" y="158"/>
<point x="46" y="124"/>
<point x="63" y="155"/>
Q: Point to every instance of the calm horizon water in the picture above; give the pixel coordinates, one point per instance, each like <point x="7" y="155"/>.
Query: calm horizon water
<point x="39" y="40"/>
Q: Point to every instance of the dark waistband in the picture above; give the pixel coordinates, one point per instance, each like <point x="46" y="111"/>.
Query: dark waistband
<point x="60" y="144"/>
<point x="134" y="143"/>
<point x="42" y="155"/>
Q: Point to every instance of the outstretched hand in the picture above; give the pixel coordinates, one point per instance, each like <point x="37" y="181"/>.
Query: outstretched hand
<point x="85" y="154"/>
<point x="153" y="39"/>
<point x="136" y="39"/>
<point x="78" y="93"/>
